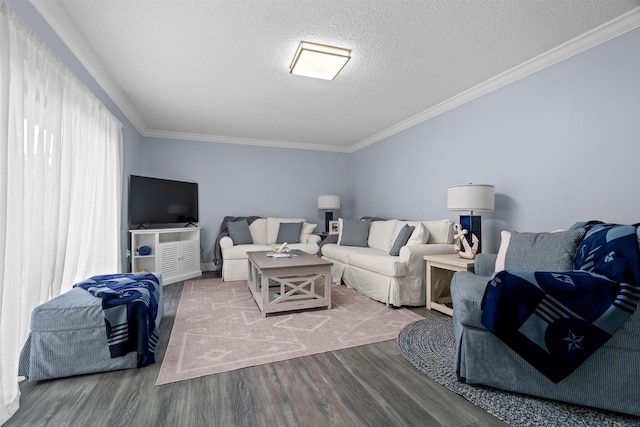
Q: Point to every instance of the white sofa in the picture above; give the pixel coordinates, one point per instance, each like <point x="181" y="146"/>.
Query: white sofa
<point x="395" y="280"/>
<point x="264" y="232"/>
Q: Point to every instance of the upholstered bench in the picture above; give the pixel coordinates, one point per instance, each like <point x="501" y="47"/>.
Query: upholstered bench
<point x="68" y="337"/>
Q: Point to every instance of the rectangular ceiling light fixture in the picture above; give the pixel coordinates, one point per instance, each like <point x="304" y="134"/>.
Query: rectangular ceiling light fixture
<point x="319" y="61"/>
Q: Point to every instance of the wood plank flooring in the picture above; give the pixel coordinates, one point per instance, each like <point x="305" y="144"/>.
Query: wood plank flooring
<point x="371" y="385"/>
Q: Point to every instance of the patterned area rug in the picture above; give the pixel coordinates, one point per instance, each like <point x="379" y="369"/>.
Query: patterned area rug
<point x="429" y="345"/>
<point x="219" y="328"/>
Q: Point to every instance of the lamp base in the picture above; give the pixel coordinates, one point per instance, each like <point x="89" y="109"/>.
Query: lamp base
<point x="472" y="223"/>
<point x="328" y="216"/>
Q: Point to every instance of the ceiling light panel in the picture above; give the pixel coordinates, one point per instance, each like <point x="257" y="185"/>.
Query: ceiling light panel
<point x="319" y="61"/>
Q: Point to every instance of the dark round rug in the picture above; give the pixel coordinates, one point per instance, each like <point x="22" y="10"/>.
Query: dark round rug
<point x="429" y="346"/>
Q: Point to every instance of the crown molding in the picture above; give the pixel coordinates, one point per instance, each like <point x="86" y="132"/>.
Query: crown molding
<point x="184" y="136"/>
<point x="57" y="18"/>
<point x="600" y="34"/>
<point x="59" y="21"/>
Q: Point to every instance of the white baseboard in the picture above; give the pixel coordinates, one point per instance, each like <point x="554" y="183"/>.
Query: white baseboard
<point x="208" y="266"/>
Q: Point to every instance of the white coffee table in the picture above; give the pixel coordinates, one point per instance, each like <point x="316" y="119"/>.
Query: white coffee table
<point x="286" y="284"/>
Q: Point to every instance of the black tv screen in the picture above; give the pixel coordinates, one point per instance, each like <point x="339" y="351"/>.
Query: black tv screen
<point x="161" y="201"/>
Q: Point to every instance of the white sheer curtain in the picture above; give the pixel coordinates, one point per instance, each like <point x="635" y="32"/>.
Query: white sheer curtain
<point x="60" y="188"/>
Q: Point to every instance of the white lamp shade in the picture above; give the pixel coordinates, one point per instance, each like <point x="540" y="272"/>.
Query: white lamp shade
<point x="328" y="202"/>
<point x="470" y="197"/>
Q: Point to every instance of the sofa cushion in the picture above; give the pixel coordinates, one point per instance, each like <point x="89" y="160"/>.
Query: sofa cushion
<point x="289" y="232"/>
<point x="353" y="232"/>
<point x="258" y="230"/>
<point x="311" y="248"/>
<point x="440" y="231"/>
<point x="240" y="251"/>
<point x="381" y="234"/>
<point x="341" y="254"/>
<point x="401" y="239"/>
<point x="273" y="225"/>
<point x="379" y="262"/>
<point x="239" y="232"/>
<point x="542" y="251"/>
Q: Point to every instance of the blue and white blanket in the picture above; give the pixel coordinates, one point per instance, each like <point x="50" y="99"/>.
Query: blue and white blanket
<point x="130" y="306"/>
<point x="555" y="320"/>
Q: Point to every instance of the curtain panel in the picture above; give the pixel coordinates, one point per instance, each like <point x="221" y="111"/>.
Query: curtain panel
<point x="60" y="188"/>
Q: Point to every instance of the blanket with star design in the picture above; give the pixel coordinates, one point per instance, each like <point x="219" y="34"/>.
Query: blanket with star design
<point x="130" y="308"/>
<point x="556" y="320"/>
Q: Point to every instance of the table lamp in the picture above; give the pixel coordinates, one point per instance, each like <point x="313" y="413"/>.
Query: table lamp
<point x="329" y="204"/>
<point x="471" y="197"/>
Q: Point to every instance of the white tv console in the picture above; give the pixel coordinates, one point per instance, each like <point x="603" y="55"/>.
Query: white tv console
<point x="175" y="252"/>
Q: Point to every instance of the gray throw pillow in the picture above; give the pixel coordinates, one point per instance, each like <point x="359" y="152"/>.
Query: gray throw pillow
<point x="402" y="239"/>
<point x="542" y="251"/>
<point x="239" y="232"/>
<point x="289" y="232"/>
<point x="354" y="233"/>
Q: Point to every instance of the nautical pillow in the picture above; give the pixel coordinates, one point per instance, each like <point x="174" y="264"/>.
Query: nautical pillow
<point x="353" y="232"/>
<point x="289" y="232"/>
<point x="402" y="239"/>
<point x="239" y="232"/>
<point x="542" y="251"/>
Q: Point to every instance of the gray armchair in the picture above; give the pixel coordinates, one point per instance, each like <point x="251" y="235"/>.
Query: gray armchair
<point x="608" y="379"/>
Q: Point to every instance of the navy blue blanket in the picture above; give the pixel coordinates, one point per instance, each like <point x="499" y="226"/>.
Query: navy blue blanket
<point x="556" y="320"/>
<point x="130" y="306"/>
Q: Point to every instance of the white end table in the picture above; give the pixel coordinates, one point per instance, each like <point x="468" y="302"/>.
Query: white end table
<point x="440" y="270"/>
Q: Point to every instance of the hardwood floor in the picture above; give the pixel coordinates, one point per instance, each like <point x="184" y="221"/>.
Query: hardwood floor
<point x="371" y="385"/>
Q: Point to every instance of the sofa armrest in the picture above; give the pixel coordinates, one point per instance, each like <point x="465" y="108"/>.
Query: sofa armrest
<point x="414" y="255"/>
<point x="409" y="253"/>
<point x="226" y="242"/>
<point x="485" y="264"/>
<point x="313" y="238"/>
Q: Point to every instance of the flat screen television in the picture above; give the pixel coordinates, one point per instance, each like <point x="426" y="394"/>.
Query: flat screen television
<point x="161" y="201"/>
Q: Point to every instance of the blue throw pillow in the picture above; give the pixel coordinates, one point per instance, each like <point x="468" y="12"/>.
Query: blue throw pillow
<point x="239" y="232"/>
<point x="289" y="232"/>
<point x="354" y="233"/>
<point x="542" y="251"/>
<point x="402" y="239"/>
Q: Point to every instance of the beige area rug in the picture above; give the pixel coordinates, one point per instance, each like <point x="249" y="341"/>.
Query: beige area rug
<point x="219" y="328"/>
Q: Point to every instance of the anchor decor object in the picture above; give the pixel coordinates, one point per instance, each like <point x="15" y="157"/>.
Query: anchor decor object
<point x="471" y="197"/>
<point x="464" y="249"/>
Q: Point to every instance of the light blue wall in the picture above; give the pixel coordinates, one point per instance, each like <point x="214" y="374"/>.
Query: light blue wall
<point x="241" y="180"/>
<point x="560" y="146"/>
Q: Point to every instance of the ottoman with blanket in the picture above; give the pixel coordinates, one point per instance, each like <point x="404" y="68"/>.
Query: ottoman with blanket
<point x="69" y="336"/>
<point x="554" y="315"/>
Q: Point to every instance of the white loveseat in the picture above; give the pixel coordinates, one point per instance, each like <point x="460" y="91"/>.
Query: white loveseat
<point x="395" y="280"/>
<point x="264" y="232"/>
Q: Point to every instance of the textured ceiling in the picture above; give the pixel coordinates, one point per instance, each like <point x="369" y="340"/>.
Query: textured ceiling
<point x="219" y="70"/>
